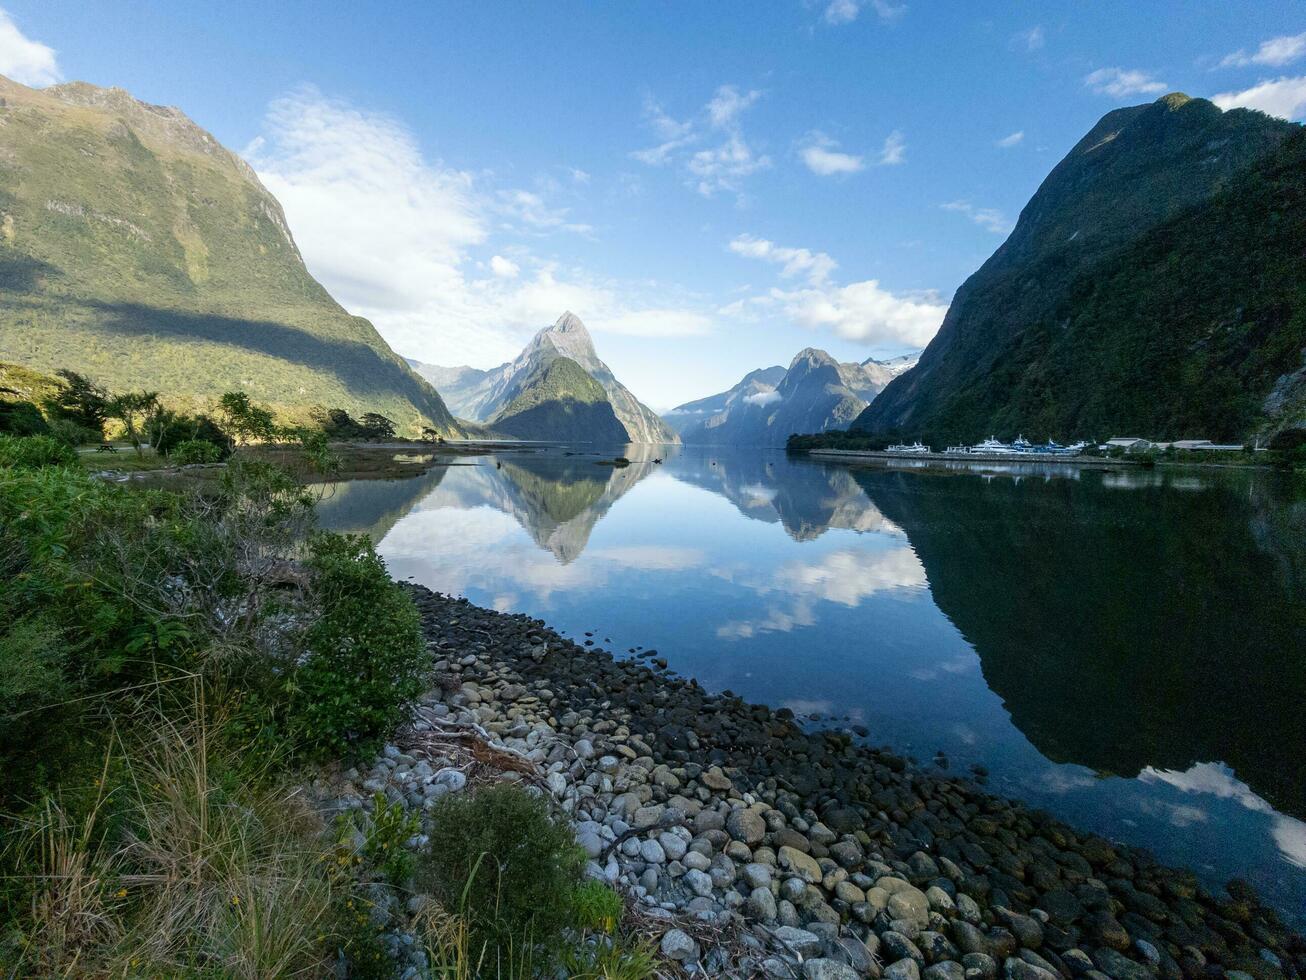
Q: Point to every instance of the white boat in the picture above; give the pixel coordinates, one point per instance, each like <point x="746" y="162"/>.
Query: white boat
<point x="915" y="449"/>
<point x="957" y="450"/>
<point x="992" y="446"/>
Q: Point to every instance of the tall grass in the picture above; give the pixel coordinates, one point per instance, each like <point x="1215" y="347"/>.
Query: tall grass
<point x="189" y="863"/>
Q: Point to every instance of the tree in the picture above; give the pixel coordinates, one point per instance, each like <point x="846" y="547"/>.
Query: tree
<point x="244" y="419"/>
<point x="80" y="401"/>
<point x="431" y="435"/>
<point x="376" y="426"/>
<point x="134" y="409"/>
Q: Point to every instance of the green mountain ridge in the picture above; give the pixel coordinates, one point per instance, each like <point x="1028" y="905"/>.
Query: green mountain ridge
<point x="558" y="400"/>
<point x="135" y="249"/>
<point x="1153" y="285"/>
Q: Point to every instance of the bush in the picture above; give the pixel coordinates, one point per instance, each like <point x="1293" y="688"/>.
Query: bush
<point x="32" y="452"/>
<point x="22" y="419"/>
<point x="498" y="856"/>
<point x="365" y="662"/>
<point x="195" y="451"/>
<point x="72" y="434"/>
<point x="169" y="431"/>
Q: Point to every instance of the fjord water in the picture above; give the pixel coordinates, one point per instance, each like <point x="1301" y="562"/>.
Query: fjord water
<point x="1126" y="648"/>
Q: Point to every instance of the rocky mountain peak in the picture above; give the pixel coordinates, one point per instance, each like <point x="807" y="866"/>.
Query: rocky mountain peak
<point x="569" y="322"/>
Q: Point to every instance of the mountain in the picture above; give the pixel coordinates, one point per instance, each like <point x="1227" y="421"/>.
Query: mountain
<point x="815" y="393"/>
<point x="556" y="399"/>
<point x="1154" y="284"/>
<point x="480" y="395"/>
<point x="754" y="385"/>
<point x="134" y="248"/>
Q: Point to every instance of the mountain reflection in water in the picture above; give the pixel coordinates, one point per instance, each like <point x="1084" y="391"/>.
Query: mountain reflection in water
<point x="1124" y="647"/>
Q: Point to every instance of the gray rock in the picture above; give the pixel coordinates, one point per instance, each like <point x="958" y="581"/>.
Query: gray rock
<point x="911" y="904"/>
<point x="673" y="845"/>
<point x="679" y="946"/>
<point x="902" y="970"/>
<point x="805" y="867"/>
<point x="757" y="875"/>
<point x="451" y="779"/>
<point x="1118" y="966"/>
<point x="821" y="969"/>
<point x="1014" y="968"/>
<point x="799" y="940"/>
<point x="745" y="825"/>
<point x="651" y="851"/>
<point x="847" y="852"/>
<point x="699" y="883"/>
<point x="980" y="966"/>
<point x="945" y="970"/>
<point x="761" y="903"/>
<point x="896" y="946"/>
<point x="697" y="861"/>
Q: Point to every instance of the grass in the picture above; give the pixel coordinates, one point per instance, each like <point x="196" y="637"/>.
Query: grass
<point x="183" y="862"/>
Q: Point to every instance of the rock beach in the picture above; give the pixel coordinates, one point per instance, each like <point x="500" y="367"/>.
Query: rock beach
<point x="819" y="856"/>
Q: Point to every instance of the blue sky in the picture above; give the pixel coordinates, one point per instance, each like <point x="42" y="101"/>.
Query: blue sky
<point x="709" y="186"/>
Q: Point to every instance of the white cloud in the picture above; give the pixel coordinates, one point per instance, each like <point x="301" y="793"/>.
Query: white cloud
<point x="865" y="312"/>
<point x="894" y="150"/>
<point x="990" y="219"/>
<point x="399" y="238"/>
<point x="763" y="397"/>
<point x="1012" y="140"/>
<point x="1218" y="780"/>
<point x="846" y="577"/>
<point x="1030" y="40"/>
<point x="728" y="102"/>
<point x="816" y="267"/>
<point x="723" y="168"/>
<point x="1284" y="97"/>
<point x="861" y="311"/>
<point x="846" y="11"/>
<point x="24" y="60"/>
<point x="822" y="157"/>
<point x="578" y="175"/>
<point x="1275" y="53"/>
<point x="1120" y="82"/>
<point x="533" y="211"/>
<point x="718" y="168"/>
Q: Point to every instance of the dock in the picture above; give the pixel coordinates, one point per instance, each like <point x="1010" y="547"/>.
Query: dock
<point x="1100" y="462"/>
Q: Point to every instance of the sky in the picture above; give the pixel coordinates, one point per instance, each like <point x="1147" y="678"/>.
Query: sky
<point x="710" y="187"/>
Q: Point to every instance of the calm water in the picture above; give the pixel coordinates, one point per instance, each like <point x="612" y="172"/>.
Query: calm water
<point x="1124" y="648"/>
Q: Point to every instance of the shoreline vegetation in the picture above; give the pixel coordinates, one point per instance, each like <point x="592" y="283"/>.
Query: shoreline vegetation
<point x="231" y="745"/>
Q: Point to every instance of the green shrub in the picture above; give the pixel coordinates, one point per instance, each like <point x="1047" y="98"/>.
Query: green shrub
<point x="385" y="832"/>
<point x="31" y="452"/>
<point x="366" y="659"/>
<point x="596" y="907"/>
<point x="169" y="431"/>
<point x="499" y="857"/>
<point x="22" y="419"/>
<point x="195" y="451"/>
<point x="72" y="434"/>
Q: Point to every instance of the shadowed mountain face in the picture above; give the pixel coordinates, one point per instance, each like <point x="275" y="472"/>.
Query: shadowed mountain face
<point x="556" y="399"/>
<point x="134" y="248"/>
<point x="1157" y="626"/>
<point x="482" y="395"/>
<point x="1154" y="283"/>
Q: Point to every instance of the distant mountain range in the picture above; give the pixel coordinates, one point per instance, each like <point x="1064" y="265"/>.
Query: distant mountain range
<point x="813" y="394"/>
<point x="1155" y="285"/>
<point x="531" y="398"/>
<point x="135" y="249"/>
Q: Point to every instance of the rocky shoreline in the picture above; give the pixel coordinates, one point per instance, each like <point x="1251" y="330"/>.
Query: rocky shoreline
<point x="753" y="847"/>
